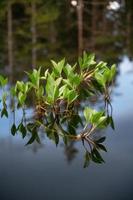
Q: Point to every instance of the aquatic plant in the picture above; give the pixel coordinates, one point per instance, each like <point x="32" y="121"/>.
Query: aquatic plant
<point x="58" y="93"/>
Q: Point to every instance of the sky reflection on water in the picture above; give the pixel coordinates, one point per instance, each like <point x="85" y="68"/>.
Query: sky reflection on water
<point x="45" y="174"/>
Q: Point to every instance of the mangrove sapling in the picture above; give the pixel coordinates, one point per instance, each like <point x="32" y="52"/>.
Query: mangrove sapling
<point x="58" y="93"/>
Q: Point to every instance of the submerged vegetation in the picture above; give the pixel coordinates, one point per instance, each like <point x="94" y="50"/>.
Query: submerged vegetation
<point x="59" y="94"/>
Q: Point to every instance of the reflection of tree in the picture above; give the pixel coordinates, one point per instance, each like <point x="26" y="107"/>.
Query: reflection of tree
<point x="105" y="34"/>
<point x="129" y="27"/>
<point x="34" y="36"/>
<point x="35" y="147"/>
<point x="10" y="37"/>
<point x="61" y="29"/>
<point x="80" y="26"/>
<point x="70" y="151"/>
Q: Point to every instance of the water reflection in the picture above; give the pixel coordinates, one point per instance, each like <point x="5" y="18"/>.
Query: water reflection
<point x="20" y="167"/>
<point x="62" y="130"/>
<point x="24" y="175"/>
<point x="95" y="26"/>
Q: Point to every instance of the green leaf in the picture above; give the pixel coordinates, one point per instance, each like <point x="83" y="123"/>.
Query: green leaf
<point x="3" y="81"/>
<point x="68" y="70"/>
<point x="52" y="89"/>
<point x="72" y="96"/>
<point x="13" y="92"/>
<point x="88" y="113"/>
<point x="4" y="97"/>
<point x="35" y="77"/>
<point x="102" y="122"/>
<point x="101" y="65"/>
<point x="21" y="98"/>
<point x="100" y="79"/>
<point x="96" y="117"/>
<point x="74" y="79"/>
<point x="62" y="89"/>
<point x="68" y="83"/>
<point x="40" y="92"/>
<point x="113" y="71"/>
<point x="19" y="86"/>
<point x="86" y="61"/>
<point x="58" y="67"/>
<point x="106" y="75"/>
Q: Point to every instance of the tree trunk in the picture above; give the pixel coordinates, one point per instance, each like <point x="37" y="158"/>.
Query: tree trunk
<point x="128" y="31"/>
<point x="33" y="31"/>
<point x="80" y="26"/>
<point x="94" y="26"/>
<point x="10" y="38"/>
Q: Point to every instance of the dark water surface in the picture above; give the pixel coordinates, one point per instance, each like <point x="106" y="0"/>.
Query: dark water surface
<point x="43" y="171"/>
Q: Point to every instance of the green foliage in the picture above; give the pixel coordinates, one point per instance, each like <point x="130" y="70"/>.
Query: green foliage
<point x="3" y="81"/>
<point x="57" y="67"/>
<point x="103" y="74"/>
<point x="94" y="117"/>
<point x="52" y="89"/>
<point x="21" y="90"/>
<point x="65" y="83"/>
<point x="87" y="61"/>
<point x="56" y="93"/>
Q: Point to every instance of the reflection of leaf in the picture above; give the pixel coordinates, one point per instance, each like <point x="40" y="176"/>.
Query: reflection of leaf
<point x="87" y="159"/>
<point x="65" y="139"/>
<point x="4" y="112"/>
<point x="52" y="133"/>
<point x="22" y="129"/>
<point x="38" y="139"/>
<point x="56" y="136"/>
<point x="30" y="126"/>
<point x="75" y="120"/>
<point x="102" y="147"/>
<point x="71" y="129"/>
<point x="13" y="129"/>
<point x="32" y="139"/>
<point x="96" y="157"/>
<point x="112" y="123"/>
<point x="101" y="140"/>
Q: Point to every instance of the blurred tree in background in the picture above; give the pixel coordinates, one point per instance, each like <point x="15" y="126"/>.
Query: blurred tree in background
<point x="35" y="31"/>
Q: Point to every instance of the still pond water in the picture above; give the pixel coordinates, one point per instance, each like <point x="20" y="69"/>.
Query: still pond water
<point x="49" y="172"/>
